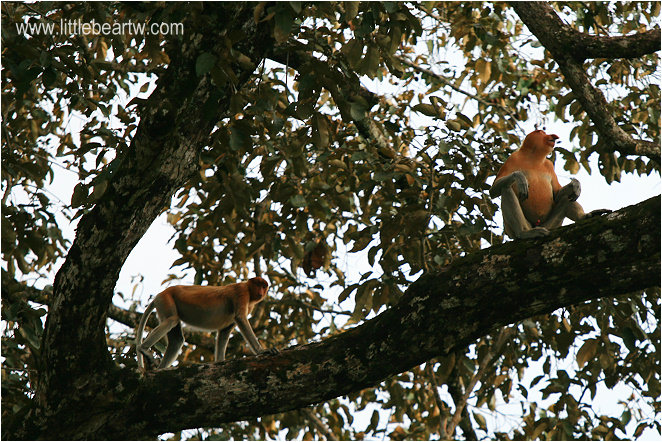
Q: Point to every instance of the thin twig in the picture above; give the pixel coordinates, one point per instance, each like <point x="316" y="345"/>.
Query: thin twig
<point x="437" y="399"/>
<point x="448" y="83"/>
<point x="319" y="424"/>
<point x="457" y="416"/>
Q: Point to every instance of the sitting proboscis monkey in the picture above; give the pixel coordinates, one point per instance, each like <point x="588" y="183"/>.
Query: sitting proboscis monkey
<point x="532" y="200"/>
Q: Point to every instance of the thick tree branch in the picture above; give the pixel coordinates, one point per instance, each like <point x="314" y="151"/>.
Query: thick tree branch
<point x="557" y="37"/>
<point x="163" y="155"/>
<point x="444" y="310"/>
<point x="541" y="19"/>
<point x="584" y="46"/>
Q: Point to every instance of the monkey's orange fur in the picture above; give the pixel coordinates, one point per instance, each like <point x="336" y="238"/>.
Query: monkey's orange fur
<point x="532" y="200"/>
<point x="206" y="307"/>
<point x="531" y="159"/>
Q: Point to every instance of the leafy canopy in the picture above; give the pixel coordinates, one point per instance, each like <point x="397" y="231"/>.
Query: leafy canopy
<point x="370" y="129"/>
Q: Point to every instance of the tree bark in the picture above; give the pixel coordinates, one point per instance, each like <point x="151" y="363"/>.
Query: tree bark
<point x="444" y="310"/>
<point x="175" y="125"/>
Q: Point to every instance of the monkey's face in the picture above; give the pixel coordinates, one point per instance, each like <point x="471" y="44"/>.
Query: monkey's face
<point x="538" y="139"/>
<point x="258" y="288"/>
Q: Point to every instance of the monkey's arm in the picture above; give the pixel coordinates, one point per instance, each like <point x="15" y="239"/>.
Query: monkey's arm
<point x="518" y="178"/>
<point x="566" y="205"/>
<point x="249" y="336"/>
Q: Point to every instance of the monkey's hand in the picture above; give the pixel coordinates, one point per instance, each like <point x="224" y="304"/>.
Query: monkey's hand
<point x="570" y="191"/>
<point x="597" y="212"/>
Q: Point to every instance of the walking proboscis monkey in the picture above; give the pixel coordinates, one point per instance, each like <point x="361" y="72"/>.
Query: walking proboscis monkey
<point x="205" y="307"/>
<point x="532" y="199"/>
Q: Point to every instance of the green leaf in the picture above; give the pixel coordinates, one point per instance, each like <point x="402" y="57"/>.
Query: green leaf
<point x="298" y="200"/>
<point x="351" y="10"/>
<point x="640" y="429"/>
<point x="361" y="243"/>
<point x="587" y="352"/>
<point x="48" y="77"/>
<point x="204" y="63"/>
<point x="371" y="61"/>
<point x="464" y="120"/>
<point x="374" y="420"/>
<point x="353" y="50"/>
<point x="320" y="131"/>
<point x="629" y="339"/>
<point x="426" y="109"/>
<point x="99" y="189"/>
<point x="283" y="22"/>
<point x="79" y="197"/>
<point x="345" y="293"/>
<point x="480" y="420"/>
<point x="239" y="139"/>
<point x="219" y="76"/>
<point x="357" y="111"/>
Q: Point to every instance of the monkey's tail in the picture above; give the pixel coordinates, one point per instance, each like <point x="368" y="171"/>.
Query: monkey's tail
<point x="139" y="335"/>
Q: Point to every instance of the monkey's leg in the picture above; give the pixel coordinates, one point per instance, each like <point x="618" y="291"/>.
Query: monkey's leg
<point x="222" y="338"/>
<point x="575" y="211"/>
<point x="565" y="205"/>
<point x="515" y="223"/>
<point x="159" y="332"/>
<point x="175" y="342"/>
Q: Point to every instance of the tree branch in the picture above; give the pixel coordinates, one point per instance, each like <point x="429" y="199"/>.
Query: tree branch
<point x="441" y="79"/>
<point x="174" y="127"/>
<point x="557" y="37"/>
<point x="461" y="405"/>
<point x="345" y="88"/>
<point x="125" y="68"/>
<point x="584" y="46"/>
<point x="444" y="310"/>
<point x="319" y="424"/>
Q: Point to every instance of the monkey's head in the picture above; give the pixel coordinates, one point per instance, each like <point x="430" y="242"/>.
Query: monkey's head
<point x="538" y="141"/>
<point x="257" y="288"/>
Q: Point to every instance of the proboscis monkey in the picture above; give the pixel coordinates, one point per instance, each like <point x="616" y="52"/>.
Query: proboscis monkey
<point x="205" y="307"/>
<point x="532" y="200"/>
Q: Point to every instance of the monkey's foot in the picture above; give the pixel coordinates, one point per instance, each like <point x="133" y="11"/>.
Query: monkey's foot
<point x="536" y="232"/>
<point x="269" y="351"/>
<point x="598" y="212"/>
<point x="151" y="362"/>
